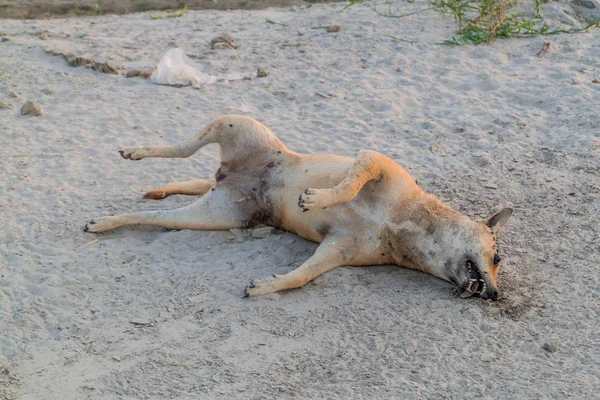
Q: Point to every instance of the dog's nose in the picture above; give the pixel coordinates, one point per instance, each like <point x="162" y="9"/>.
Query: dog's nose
<point x="493" y="294"/>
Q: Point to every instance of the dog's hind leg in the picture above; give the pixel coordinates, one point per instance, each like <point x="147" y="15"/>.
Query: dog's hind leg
<point x="368" y="166"/>
<point x="332" y="253"/>
<point x="195" y="187"/>
<point x="237" y="135"/>
<point x="214" y="211"/>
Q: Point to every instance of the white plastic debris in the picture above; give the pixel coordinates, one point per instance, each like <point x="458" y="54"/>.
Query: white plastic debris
<point x="177" y="69"/>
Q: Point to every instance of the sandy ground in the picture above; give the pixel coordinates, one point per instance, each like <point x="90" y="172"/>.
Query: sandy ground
<point x="482" y="127"/>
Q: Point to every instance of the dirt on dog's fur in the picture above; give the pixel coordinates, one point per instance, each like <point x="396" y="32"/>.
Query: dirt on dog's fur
<point x="157" y="314"/>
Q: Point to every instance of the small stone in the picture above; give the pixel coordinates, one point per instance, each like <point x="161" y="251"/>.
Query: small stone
<point x="196" y="299"/>
<point x="133" y="72"/>
<point x="334" y="28"/>
<point x="4" y="105"/>
<point x="262" y="233"/>
<point x="116" y="358"/>
<point x="31" y="108"/>
<point x="105" y="67"/>
<point x="14" y="95"/>
<point x="78" y="61"/>
<point x="47" y="91"/>
<point x="223" y="42"/>
<point x="549" y="347"/>
<point x="487" y="357"/>
<point x="490" y="186"/>
<point x="596" y="81"/>
<point x="261" y="73"/>
<point x="301" y="32"/>
<point x="44" y="35"/>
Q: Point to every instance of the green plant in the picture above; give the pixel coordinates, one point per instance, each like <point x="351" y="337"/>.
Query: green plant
<point x="179" y="13"/>
<point x="482" y="21"/>
<point x="172" y="14"/>
<point x="270" y="21"/>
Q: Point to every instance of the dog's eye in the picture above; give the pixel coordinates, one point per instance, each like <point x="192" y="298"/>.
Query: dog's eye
<point x="497" y="259"/>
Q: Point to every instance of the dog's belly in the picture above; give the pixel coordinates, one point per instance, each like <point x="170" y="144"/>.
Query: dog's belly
<point x="360" y="217"/>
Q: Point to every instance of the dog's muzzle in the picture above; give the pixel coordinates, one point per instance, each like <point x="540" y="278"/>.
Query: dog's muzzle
<point x="476" y="284"/>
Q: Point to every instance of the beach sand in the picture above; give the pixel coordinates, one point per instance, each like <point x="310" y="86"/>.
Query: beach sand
<point x="147" y="313"/>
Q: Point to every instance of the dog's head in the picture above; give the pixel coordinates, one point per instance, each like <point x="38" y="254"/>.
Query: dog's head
<point x="472" y="260"/>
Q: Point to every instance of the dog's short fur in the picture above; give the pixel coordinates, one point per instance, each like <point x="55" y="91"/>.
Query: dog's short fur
<point x="363" y="211"/>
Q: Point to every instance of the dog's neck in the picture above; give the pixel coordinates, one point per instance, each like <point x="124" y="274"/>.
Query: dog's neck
<point x="418" y="231"/>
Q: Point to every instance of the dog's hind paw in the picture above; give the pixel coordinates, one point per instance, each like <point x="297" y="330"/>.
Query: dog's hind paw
<point x="133" y="153"/>
<point x="313" y="199"/>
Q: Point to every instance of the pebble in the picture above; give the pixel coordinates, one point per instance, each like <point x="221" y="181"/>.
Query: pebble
<point x="4" y="105"/>
<point x="490" y="186"/>
<point x="46" y="91"/>
<point x="31" y="108"/>
<point x="487" y="357"/>
<point x="14" y="95"/>
<point x="334" y="28"/>
<point x="77" y="61"/>
<point x="223" y="42"/>
<point x="549" y="347"/>
<point x="133" y="72"/>
<point x="261" y="73"/>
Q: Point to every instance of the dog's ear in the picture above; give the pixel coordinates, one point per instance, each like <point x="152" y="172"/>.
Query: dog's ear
<point x="497" y="221"/>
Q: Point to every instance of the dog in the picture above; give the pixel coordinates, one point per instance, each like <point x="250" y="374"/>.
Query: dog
<point x="363" y="211"/>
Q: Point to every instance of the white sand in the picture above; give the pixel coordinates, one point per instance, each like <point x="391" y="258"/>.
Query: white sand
<point x="482" y="127"/>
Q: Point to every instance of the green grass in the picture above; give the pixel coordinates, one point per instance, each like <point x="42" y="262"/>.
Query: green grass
<point x="172" y="14"/>
<point x="483" y="21"/>
<point x="270" y="21"/>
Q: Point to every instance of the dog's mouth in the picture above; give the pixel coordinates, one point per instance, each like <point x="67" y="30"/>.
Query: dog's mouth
<point x="475" y="282"/>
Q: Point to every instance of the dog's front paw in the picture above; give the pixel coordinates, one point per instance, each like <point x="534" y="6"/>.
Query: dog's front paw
<point x="101" y="224"/>
<point x="313" y="199"/>
<point x="261" y="286"/>
<point x="133" y="153"/>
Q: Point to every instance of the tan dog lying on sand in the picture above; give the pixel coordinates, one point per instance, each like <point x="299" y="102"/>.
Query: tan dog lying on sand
<point x="363" y="211"/>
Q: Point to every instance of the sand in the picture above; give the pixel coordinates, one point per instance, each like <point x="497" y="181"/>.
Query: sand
<point x="146" y="313"/>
